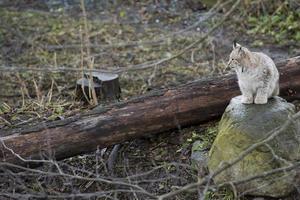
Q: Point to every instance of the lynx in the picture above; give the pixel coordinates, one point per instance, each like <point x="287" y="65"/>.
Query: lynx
<point x="258" y="77"/>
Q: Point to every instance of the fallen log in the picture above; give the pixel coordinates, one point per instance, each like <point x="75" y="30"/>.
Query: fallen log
<point x="160" y="111"/>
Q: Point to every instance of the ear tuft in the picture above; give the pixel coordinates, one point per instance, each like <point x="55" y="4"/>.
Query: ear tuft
<point x="240" y="49"/>
<point x="234" y="44"/>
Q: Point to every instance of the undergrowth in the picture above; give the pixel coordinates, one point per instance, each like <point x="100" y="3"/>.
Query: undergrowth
<point x="278" y="26"/>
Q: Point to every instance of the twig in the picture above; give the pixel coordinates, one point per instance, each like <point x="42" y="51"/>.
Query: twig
<point x="144" y="65"/>
<point x="5" y="121"/>
<point x="206" y="180"/>
<point x="112" y="158"/>
<point x="90" y="63"/>
<point x="266" y="174"/>
<point x="98" y="179"/>
<point x="158" y="41"/>
<point x="203" y="38"/>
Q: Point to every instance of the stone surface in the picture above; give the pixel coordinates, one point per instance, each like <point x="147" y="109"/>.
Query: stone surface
<point x="199" y="158"/>
<point x="244" y="125"/>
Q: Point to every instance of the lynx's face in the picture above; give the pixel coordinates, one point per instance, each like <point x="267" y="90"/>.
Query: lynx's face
<point x="237" y="56"/>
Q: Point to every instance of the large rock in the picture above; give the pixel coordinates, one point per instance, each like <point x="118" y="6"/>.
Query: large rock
<point x="244" y="125"/>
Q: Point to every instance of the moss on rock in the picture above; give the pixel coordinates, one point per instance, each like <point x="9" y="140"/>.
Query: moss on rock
<point x="244" y="125"/>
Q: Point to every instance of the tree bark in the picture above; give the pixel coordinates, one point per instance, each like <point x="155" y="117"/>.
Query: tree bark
<point x="159" y="111"/>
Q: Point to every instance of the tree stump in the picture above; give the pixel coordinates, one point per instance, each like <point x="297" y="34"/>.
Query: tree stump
<point x="106" y="87"/>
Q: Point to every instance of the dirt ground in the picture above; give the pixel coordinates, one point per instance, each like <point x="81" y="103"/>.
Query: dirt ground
<point x="42" y="37"/>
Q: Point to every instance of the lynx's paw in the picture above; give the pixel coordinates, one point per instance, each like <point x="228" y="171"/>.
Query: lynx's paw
<point x="261" y="100"/>
<point x="247" y="99"/>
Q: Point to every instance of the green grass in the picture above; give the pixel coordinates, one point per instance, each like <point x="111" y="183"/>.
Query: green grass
<point x="221" y="194"/>
<point x="281" y="27"/>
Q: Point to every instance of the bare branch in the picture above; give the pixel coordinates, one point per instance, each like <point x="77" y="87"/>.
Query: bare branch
<point x="208" y="179"/>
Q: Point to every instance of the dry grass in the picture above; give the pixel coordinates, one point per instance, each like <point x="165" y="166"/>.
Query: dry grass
<point x="130" y="36"/>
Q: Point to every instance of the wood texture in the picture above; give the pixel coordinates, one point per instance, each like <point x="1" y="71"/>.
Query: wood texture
<point x="159" y="111"/>
<point x="106" y="87"/>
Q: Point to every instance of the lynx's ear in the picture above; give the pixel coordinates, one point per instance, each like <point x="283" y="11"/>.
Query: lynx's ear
<point x="235" y="44"/>
<point x="241" y="51"/>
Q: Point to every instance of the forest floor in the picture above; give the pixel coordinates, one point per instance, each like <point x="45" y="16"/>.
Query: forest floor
<point x="130" y="37"/>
